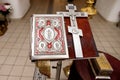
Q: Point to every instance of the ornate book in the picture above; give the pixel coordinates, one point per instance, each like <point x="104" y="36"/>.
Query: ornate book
<point x="48" y="37"/>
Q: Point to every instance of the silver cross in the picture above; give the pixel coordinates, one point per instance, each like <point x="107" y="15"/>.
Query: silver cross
<point x="76" y="33"/>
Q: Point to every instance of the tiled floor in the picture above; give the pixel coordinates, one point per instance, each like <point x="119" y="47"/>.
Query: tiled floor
<point x="14" y="45"/>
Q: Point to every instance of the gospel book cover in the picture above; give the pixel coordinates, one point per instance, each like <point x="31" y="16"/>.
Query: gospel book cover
<point x="48" y="37"/>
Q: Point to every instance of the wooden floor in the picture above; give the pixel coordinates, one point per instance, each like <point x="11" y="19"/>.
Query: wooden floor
<point x="14" y="45"/>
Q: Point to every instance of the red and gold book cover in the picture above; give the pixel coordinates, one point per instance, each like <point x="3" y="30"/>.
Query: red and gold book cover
<point x="48" y="37"/>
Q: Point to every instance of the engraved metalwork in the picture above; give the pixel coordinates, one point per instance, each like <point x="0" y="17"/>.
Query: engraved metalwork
<point x="76" y="33"/>
<point x="48" y="37"/>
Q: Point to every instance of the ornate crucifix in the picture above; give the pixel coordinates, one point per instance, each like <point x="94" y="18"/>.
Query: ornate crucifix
<point x="76" y="33"/>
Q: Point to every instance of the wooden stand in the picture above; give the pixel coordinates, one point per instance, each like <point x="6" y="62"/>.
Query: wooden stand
<point x="89" y="49"/>
<point x="3" y="24"/>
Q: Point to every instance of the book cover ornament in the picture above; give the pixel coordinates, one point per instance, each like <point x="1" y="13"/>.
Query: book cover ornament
<point x="50" y="37"/>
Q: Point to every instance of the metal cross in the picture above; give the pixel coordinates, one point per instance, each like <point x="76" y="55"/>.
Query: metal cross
<point x="76" y="33"/>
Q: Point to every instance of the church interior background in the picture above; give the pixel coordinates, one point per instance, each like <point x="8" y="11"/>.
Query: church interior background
<point x="15" y="63"/>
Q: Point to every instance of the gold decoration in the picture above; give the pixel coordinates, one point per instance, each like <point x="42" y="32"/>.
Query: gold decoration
<point x="67" y="70"/>
<point x="3" y="24"/>
<point x="89" y="8"/>
<point x="103" y="63"/>
<point x="101" y="67"/>
<point x="44" y="67"/>
<point x="3" y="29"/>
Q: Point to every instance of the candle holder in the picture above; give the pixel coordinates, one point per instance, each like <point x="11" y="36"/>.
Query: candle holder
<point x="89" y="8"/>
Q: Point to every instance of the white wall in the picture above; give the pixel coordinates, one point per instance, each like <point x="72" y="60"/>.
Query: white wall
<point x="20" y="7"/>
<point x="109" y="9"/>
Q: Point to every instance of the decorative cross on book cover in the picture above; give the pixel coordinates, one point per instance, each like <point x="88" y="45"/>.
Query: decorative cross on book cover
<point x="48" y="37"/>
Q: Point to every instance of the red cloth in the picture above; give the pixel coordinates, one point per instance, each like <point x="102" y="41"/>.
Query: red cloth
<point x="82" y="70"/>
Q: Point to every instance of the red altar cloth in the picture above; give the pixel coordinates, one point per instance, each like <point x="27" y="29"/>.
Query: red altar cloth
<point x="87" y="41"/>
<point x="80" y="69"/>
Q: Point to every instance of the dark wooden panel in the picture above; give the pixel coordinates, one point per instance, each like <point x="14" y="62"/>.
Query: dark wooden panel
<point x="87" y="41"/>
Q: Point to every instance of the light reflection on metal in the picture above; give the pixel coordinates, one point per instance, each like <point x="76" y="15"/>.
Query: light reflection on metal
<point x="67" y="70"/>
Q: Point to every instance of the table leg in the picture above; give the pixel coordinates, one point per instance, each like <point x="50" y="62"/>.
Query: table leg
<point x="59" y="65"/>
